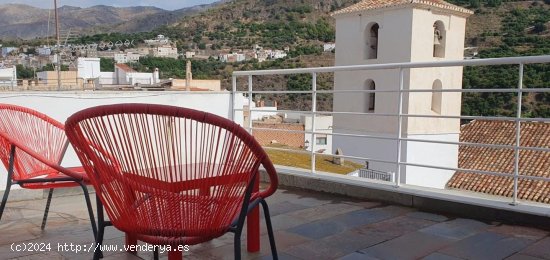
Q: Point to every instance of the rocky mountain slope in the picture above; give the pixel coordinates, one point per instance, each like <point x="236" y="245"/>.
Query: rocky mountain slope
<point x="27" y="22"/>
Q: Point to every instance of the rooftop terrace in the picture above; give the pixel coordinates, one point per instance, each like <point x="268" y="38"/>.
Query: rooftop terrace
<point x="307" y="225"/>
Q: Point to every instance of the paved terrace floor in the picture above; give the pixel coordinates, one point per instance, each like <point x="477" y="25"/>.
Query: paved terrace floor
<point x="307" y="225"/>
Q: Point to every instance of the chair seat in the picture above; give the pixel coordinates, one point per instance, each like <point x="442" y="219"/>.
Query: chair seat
<point x="54" y="175"/>
<point x="174" y="242"/>
<point x="160" y="222"/>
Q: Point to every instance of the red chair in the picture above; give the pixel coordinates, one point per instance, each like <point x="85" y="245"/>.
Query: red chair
<point x="32" y="146"/>
<point x="171" y="176"/>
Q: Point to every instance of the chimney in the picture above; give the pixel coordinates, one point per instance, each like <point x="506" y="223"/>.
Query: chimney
<point x="156" y="76"/>
<point x="188" y="76"/>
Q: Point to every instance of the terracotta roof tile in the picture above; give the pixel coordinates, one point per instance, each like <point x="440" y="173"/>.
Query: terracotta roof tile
<point x="124" y="67"/>
<point x="377" y="4"/>
<point x="531" y="163"/>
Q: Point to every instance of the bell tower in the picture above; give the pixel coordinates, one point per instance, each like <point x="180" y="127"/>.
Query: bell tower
<point x="400" y="31"/>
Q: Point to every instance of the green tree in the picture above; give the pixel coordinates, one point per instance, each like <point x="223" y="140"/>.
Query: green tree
<point x="106" y="64"/>
<point x="24" y="72"/>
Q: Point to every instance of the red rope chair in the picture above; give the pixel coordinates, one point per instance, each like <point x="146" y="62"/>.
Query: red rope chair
<point x="32" y="146"/>
<point x="170" y="175"/>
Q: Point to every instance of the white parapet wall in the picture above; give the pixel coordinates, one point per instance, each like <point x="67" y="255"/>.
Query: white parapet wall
<point x="60" y="105"/>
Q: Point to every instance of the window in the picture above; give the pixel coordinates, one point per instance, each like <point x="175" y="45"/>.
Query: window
<point x="370" y="97"/>
<point x="371" y="41"/>
<point x="437" y="95"/>
<point x="439" y="39"/>
<point x="322" y="140"/>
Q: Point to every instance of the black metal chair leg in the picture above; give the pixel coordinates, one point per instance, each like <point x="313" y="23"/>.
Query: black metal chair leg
<point x="237" y="245"/>
<point x="101" y="229"/>
<point x="90" y="209"/>
<point x="50" y="194"/>
<point x="269" y="229"/>
<point x="8" y="182"/>
<point x="156" y="253"/>
<point x="5" y="198"/>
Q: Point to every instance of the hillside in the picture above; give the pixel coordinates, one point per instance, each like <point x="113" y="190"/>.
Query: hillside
<point x="497" y="29"/>
<point x="27" y="22"/>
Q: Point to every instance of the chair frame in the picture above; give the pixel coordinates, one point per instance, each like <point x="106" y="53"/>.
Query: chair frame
<point x="70" y="176"/>
<point x="252" y="197"/>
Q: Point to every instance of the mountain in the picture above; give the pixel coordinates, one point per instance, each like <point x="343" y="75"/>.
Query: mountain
<point x="27" y="22"/>
<point x="499" y="28"/>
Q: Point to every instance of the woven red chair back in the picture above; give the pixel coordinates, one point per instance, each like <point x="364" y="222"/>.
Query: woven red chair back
<point x="165" y="171"/>
<point x="38" y="132"/>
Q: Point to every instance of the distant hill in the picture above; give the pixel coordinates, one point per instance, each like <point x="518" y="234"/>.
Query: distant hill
<point x="27" y="22"/>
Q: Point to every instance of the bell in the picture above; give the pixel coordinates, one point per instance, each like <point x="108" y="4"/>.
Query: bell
<point x="437" y="37"/>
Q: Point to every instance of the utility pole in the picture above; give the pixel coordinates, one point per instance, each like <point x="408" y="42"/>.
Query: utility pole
<point x="58" y="47"/>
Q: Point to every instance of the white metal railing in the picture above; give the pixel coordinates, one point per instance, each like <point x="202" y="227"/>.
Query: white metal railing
<point x="376" y="175"/>
<point x="402" y="67"/>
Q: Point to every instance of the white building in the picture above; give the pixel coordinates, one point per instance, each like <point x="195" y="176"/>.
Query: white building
<point x="190" y="54"/>
<point x="165" y="51"/>
<point x="7" y="50"/>
<point x="88" y="68"/>
<point x="277" y="54"/>
<point x="376" y="32"/>
<point x="323" y="126"/>
<point x="44" y="51"/>
<point x="124" y="75"/>
<point x="160" y="40"/>
<point x="127" y="57"/>
<point x="232" y="57"/>
<point x="329" y="47"/>
<point x="8" y="77"/>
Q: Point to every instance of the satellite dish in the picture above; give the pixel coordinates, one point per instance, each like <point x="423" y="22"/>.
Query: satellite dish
<point x="127" y="43"/>
<point x="118" y="44"/>
<point x="132" y="43"/>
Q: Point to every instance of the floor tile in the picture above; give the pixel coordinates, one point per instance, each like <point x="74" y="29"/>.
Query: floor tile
<point x="456" y="229"/>
<point x="410" y="246"/>
<point x="540" y="249"/>
<point x="486" y="245"/>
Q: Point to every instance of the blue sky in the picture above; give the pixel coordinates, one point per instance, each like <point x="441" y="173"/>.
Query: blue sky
<point x="164" y="4"/>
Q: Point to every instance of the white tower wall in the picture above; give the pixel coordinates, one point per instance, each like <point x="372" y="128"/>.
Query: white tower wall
<point x="405" y="34"/>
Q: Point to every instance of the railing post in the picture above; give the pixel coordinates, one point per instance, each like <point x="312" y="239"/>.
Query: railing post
<point x="399" y="126"/>
<point x="250" y="104"/>
<point x="233" y="96"/>
<point x="313" y="116"/>
<point x="518" y="134"/>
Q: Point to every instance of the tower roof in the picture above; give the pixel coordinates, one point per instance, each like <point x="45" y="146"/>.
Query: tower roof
<point x="365" y="5"/>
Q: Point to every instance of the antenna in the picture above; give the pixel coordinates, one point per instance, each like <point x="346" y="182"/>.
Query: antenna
<point x="58" y="46"/>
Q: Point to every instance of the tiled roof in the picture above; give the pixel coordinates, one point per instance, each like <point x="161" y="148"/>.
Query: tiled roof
<point x="377" y="4"/>
<point x="532" y="163"/>
<point x="124" y="67"/>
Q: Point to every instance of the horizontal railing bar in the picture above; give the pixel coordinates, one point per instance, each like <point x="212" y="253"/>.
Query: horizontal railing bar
<point x="332" y="155"/>
<point x="286" y="149"/>
<point x="455" y="63"/>
<point x="274" y="110"/>
<point x="454" y="90"/>
<point x="510" y="175"/>
<point x="497" y="146"/>
<point x="332" y="134"/>
<point x="489" y="118"/>
<point x="501" y="174"/>
<point x="507" y="175"/>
